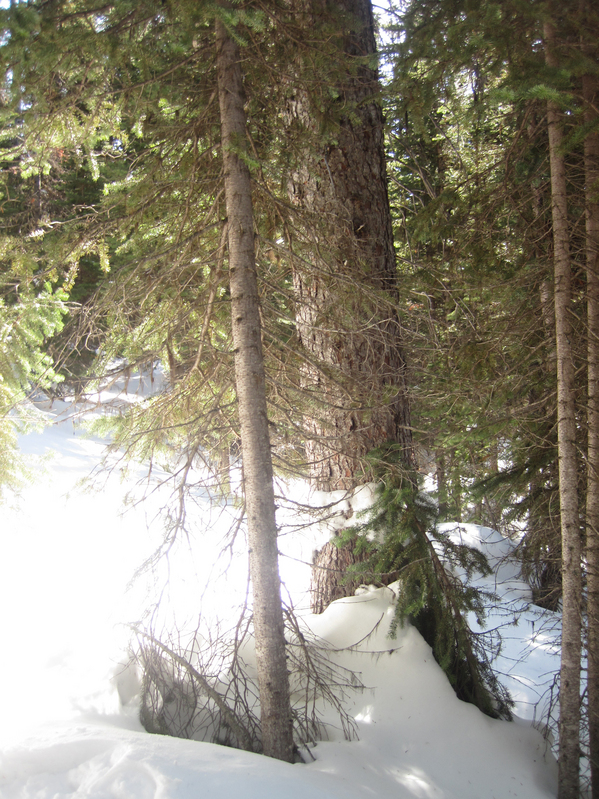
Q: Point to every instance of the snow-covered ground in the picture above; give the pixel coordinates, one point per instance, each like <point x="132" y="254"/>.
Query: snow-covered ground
<point x="68" y="555"/>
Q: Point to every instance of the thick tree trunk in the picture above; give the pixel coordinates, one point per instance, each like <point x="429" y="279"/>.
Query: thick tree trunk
<point x="273" y="681"/>
<point x="590" y="86"/>
<point x="569" y="745"/>
<point x="346" y="292"/>
<point x="346" y="296"/>
<point x="329" y="580"/>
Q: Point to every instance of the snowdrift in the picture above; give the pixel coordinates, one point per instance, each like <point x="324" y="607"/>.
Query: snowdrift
<point x="415" y="739"/>
<point x="68" y="556"/>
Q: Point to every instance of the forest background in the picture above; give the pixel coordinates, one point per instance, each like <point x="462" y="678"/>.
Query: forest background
<point x="424" y="258"/>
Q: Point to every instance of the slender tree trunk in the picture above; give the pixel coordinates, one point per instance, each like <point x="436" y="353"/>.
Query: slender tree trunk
<point x="441" y="479"/>
<point x="569" y="744"/>
<point x="590" y="86"/>
<point x="544" y="556"/>
<point x="273" y="681"/>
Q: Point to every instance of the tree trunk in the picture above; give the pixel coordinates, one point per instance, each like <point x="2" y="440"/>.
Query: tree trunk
<point x="328" y="578"/>
<point x="345" y="289"/>
<point x="273" y="681"/>
<point x="590" y="87"/>
<point x="569" y="745"/>
<point x="441" y="480"/>
<point x="346" y="298"/>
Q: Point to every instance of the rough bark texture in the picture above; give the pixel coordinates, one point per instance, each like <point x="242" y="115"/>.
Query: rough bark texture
<point x="346" y="294"/>
<point x="591" y="157"/>
<point x="346" y="297"/>
<point x="328" y="583"/>
<point x="273" y="681"/>
<point x="566" y="422"/>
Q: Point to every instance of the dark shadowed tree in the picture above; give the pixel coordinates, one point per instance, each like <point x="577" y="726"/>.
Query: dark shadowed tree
<point x="346" y="293"/>
<point x="590" y="86"/>
<point x="567" y="455"/>
<point x="345" y="277"/>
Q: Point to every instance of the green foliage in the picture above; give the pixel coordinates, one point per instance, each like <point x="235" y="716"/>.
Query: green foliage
<point x="113" y="183"/>
<point x="469" y="184"/>
<point x="434" y="574"/>
<point x="118" y="172"/>
<point x="27" y="318"/>
<point x="471" y="189"/>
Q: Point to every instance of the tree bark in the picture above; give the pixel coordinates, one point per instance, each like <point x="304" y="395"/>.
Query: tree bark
<point x="273" y="680"/>
<point x="590" y="86"/>
<point x="328" y="583"/>
<point x="346" y="292"/>
<point x="569" y="743"/>
<point x="346" y="295"/>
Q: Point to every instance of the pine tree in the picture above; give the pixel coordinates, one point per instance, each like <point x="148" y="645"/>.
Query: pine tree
<point x="273" y="681"/>
<point x="32" y="310"/>
<point x="345" y="288"/>
<point x="160" y="233"/>
<point x="566" y="408"/>
<point x="461" y="221"/>
<point x="401" y="542"/>
<point x="345" y="283"/>
<point x="590" y="87"/>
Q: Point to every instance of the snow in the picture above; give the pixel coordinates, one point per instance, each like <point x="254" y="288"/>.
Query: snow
<point x="69" y="715"/>
<point x="529" y="657"/>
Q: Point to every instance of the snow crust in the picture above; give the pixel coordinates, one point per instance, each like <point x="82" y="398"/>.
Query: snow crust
<point x="70" y="726"/>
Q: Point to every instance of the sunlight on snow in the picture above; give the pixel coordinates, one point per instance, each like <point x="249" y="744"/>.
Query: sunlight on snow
<point x="419" y="785"/>
<point x="69" y="555"/>
<point x="365" y="715"/>
<point x="70" y="551"/>
<point x="68" y="558"/>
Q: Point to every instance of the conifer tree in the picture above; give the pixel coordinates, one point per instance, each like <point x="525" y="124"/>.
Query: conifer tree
<point x="345" y="284"/>
<point x="590" y="87"/>
<point x="461" y="221"/>
<point x="103" y="84"/>
<point x="566" y="409"/>
<point x="32" y="310"/>
<point x="345" y="278"/>
<point x="273" y="681"/>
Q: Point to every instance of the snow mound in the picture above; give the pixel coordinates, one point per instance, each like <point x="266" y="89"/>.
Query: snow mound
<point x="67" y="558"/>
<point x="416" y="739"/>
